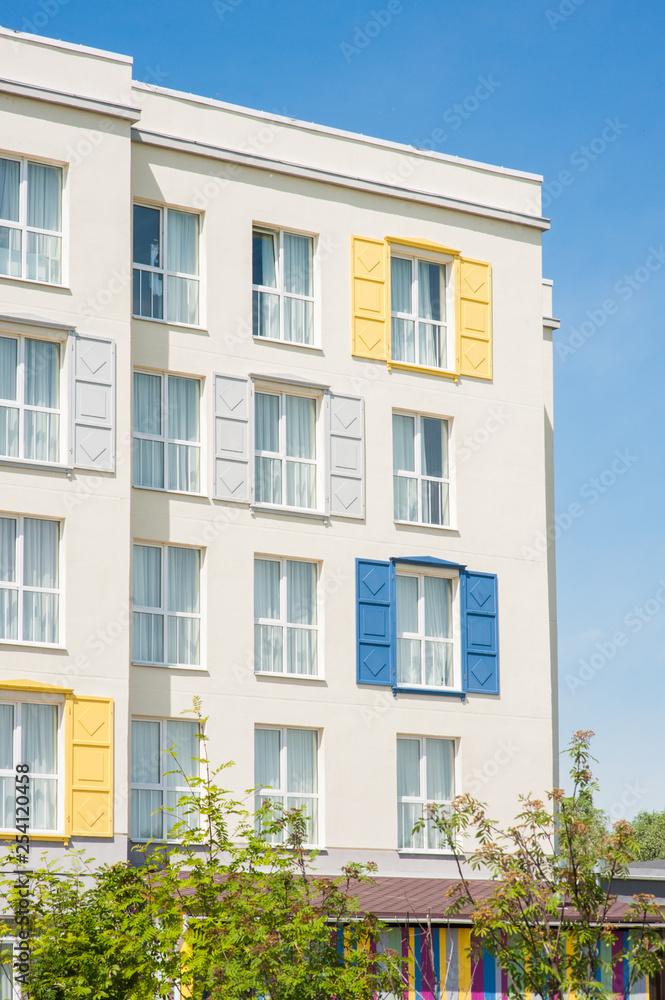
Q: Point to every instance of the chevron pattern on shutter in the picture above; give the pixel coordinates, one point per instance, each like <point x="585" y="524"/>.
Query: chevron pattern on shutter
<point x="346" y="456"/>
<point x="480" y="638"/>
<point x="232" y="439"/>
<point x="474" y="317"/>
<point x="91" y="762"/>
<point x="371" y="317"/>
<point x="93" y="404"/>
<point x="374" y="663"/>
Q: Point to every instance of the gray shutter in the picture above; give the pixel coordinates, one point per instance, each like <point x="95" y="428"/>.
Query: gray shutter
<point x="232" y="439"/>
<point x="346" y="462"/>
<point x="93" y="404"/>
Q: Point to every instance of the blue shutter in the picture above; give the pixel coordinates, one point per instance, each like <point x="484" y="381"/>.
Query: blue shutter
<point x="480" y="633"/>
<point x="373" y="622"/>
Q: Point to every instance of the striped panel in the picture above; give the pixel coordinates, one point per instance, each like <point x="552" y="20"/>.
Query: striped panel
<point x="464" y="962"/>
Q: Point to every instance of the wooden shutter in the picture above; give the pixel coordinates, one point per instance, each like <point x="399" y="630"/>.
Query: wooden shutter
<point x="371" y="314"/>
<point x="474" y="317"/>
<point x="91" y="767"/>
<point x="373" y="618"/>
<point x="346" y="456"/>
<point x="93" y="404"/>
<point x="480" y="634"/>
<point x="232" y="439"/>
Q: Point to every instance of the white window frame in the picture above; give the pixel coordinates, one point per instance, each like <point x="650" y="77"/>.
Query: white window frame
<point x="164" y="766"/>
<point x="20" y="404"/>
<point x="164" y="437"/>
<point x="278" y="235"/>
<point x="19" y="587"/>
<point x="283" y="777"/>
<point x="282" y="622"/>
<point x="164" y="271"/>
<point x="319" y="447"/>
<point x="10" y="944"/>
<point x="403" y="569"/>
<point x="418" y="475"/>
<point x="21" y="698"/>
<point x="163" y="610"/>
<point x="448" y="325"/>
<point x="24" y="228"/>
<point x="423" y="799"/>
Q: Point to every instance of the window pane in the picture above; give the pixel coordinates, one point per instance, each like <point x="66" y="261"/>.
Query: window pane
<point x="147" y="403"/>
<point x="268" y="648"/>
<point x="40" y="617"/>
<point x="408" y="768"/>
<point x="39" y="726"/>
<point x="183" y="409"/>
<point x="408" y="661"/>
<point x="8" y="364"/>
<point x="432" y="440"/>
<point x="266" y="588"/>
<point x="267" y="744"/>
<point x="40" y="437"/>
<point x="301" y="651"/>
<point x="404" y="341"/>
<point x="147" y="576"/>
<point x="7" y="803"/>
<point x="405" y="493"/>
<point x="44" y="192"/>
<point x="183" y="579"/>
<point x="430" y="299"/>
<point x="407" y="604"/>
<point x="148" y="638"/>
<point x="438" y="601"/>
<point x="43" y="805"/>
<point x="43" y="257"/>
<point x="184" y="463"/>
<point x="263" y="260"/>
<point x="10" y="251"/>
<point x="300" y="485"/>
<point x="9" y="431"/>
<point x="10" y="175"/>
<point x="301" y="593"/>
<point x="404" y="457"/>
<point x="267" y="422"/>
<point x="40" y="552"/>
<point x="265" y="315"/>
<point x="145" y="752"/>
<point x="183" y="640"/>
<point x="298" y="264"/>
<point x="8" y="614"/>
<point x="298" y="321"/>
<point x="183" y="300"/>
<point x="438" y="664"/>
<point x="400" y="285"/>
<point x="434" y="499"/>
<point x="268" y="480"/>
<point x="8" y="528"/>
<point x="300" y="427"/>
<point x="147" y="820"/>
<point x="146" y="236"/>
<point x="183" y="736"/>
<point x="301" y="747"/>
<point x="430" y="342"/>
<point x="149" y="463"/>
<point x="6" y="737"/>
<point x="183" y="242"/>
<point x="408" y="813"/>
<point x="440" y="770"/>
<point x="148" y="299"/>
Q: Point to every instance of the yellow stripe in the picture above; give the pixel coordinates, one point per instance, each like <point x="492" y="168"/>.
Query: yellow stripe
<point x="441" y="971"/>
<point x="464" y="961"/>
<point x="412" y="964"/>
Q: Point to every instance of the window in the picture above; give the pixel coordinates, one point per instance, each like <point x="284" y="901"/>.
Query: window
<point x="167" y="618"/>
<point x="29" y="735"/>
<point x="30" y="221"/>
<point x="424" y="630"/>
<point x="421" y="482"/>
<point x="285" y="772"/>
<point x="425" y="773"/>
<point x="166" y="265"/>
<point x="7" y="972"/>
<point x="285" y="629"/>
<point x="286" y="450"/>
<point x="29" y="399"/>
<point x="283" y="288"/>
<point x="29" y="598"/>
<point x="419" y="330"/>
<point x="167" y="449"/>
<point x="153" y="787"/>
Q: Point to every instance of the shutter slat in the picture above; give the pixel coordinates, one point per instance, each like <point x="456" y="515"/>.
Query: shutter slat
<point x="93" y="404"/>
<point x="371" y="317"/>
<point x="480" y="633"/>
<point x="474" y="318"/>
<point x="232" y="439"/>
<point x="346" y="487"/>
<point x="373" y="622"/>
<point x="91" y="755"/>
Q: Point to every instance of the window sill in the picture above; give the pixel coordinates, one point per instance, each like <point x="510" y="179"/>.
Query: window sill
<point x="425" y="524"/>
<point x="257" y="508"/>
<point x="168" y="322"/>
<point x="27" y="463"/>
<point x="33" y="281"/>
<point x="422" y="370"/>
<point x="33" y="645"/>
<point x="171" y="666"/>
<point x="289" y="677"/>
<point x="36" y="835"/>
<point x="438" y="692"/>
<point x="287" y="343"/>
<point x="178" y="493"/>
<point x="423" y="852"/>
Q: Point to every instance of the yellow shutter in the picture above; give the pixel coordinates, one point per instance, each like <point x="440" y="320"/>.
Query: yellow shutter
<point x="371" y="317"/>
<point x="474" y="338"/>
<point x="91" y="766"/>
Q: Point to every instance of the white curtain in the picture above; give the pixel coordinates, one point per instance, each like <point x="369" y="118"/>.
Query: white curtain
<point x="10" y="251"/>
<point x="8" y="597"/>
<point x="408" y="784"/>
<point x="10" y="176"/>
<point x="182" y="736"/>
<point x="430" y="342"/>
<point x="298" y="321"/>
<point x="183" y="425"/>
<point x="298" y="316"/>
<point x="268" y="470"/>
<point x="43" y="257"/>
<point x="183" y="300"/>
<point x="40" y="569"/>
<point x="183" y="242"/>
<point x="44" y="187"/>
<point x="430" y="298"/>
<point x="400" y="285"/>
<point x="42" y="365"/>
<point x="301" y="748"/>
<point x="7" y="787"/>
<point x="403" y="340"/>
<point x="438" y="623"/>
<point x="148" y="455"/>
<point x="147" y="819"/>
<point x="440" y="770"/>
<point x="408" y="650"/>
<point x="145" y="752"/>
<point x="300" y="443"/>
<point x="39" y="725"/>
<point x="183" y="633"/>
<point x="8" y="387"/>
<point x="405" y="489"/>
<point x="267" y="746"/>
<point x="301" y="610"/>
<point x="148" y="629"/>
<point x="267" y="638"/>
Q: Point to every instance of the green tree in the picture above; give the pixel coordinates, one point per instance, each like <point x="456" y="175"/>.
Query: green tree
<point x="550" y="912"/>
<point x="649" y="829"/>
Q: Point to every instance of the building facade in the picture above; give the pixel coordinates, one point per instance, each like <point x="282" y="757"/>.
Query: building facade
<point x="275" y="432"/>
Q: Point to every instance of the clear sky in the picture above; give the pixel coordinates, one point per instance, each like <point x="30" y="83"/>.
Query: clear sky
<point x="572" y="86"/>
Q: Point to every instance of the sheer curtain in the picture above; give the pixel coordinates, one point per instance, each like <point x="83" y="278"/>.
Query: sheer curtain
<point x="408" y="785"/>
<point x="8" y="387"/>
<point x="183" y="257"/>
<point x="39" y="726"/>
<point x="430" y="302"/>
<point x="300" y="443"/>
<point x="267" y="638"/>
<point x="438" y="655"/>
<point x="439" y="755"/>
<point x="44" y="212"/>
<point x="7" y="793"/>
<point x="148" y="629"/>
<point x="10" y="238"/>
<point x="8" y="597"/>
<point x="42" y="366"/>
<point x="181" y="736"/>
<point x="183" y="425"/>
<point x="268" y="470"/>
<point x="403" y="330"/>
<point x="264" y="273"/>
<point x="146" y="770"/>
<point x="408" y="650"/>
<point x="40" y="569"/>
<point x="302" y="784"/>
<point x="434" y="448"/>
<point x="148" y="455"/>
<point x="267" y="746"/>
<point x="183" y="632"/>
<point x="405" y="489"/>
<point x="298" y="252"/>
<point x="301" y="610"/>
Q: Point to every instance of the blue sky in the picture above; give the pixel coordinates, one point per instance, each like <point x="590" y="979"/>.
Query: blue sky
<point x="576" y="88"/>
